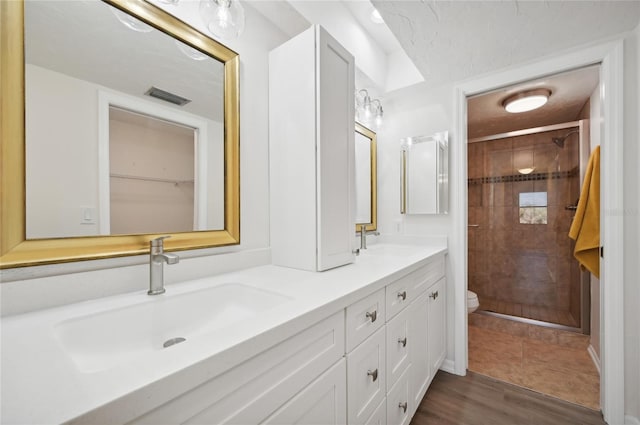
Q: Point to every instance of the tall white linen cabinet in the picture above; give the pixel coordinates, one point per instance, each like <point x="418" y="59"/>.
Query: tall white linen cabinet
<point x="311" y="146"/>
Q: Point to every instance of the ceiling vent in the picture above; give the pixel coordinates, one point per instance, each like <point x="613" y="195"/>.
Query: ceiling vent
<point x="167" y="97"/>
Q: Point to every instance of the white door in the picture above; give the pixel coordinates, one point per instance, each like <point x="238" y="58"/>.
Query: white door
<point x="336" y="152"/>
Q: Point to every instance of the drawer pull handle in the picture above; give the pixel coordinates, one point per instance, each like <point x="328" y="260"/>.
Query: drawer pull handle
<point x="403" y="341"/>
<point x="373" y="315"/>
<point x="402" y="295"/>
<point x="373" y="374"/>
<point x="434" y="295"/>
<point x="403" y="406"/>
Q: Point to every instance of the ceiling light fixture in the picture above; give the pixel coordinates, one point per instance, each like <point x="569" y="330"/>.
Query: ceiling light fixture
<point x="223" y="18"/>
<point x="376" y="17"/>
<point x="368" y="111"/>
<point x="526" y="101"/>
<point x="527" y="170"/>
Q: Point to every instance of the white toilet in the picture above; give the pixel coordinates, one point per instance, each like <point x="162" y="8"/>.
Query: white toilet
<point x="472" y="302"/>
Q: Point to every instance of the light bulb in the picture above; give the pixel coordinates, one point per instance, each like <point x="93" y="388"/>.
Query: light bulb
<point x="223" y="18"/>
<point x="130" y="22"/>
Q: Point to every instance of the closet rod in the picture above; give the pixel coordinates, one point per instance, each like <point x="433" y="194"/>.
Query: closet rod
<point x="149" y="179"/>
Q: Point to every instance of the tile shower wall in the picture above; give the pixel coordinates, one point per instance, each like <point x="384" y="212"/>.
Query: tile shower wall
<point x="528" y="264"/>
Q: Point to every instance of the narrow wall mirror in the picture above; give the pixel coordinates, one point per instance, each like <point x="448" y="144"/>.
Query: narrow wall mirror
<point x="120" y="123"/>
<point x="366" y="178"/>
<point x="425" y="174"/>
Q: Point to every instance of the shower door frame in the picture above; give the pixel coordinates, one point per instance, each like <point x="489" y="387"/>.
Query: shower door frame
<point x="610" y="56"/>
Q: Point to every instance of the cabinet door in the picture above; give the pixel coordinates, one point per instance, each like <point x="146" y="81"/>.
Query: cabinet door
<point x="399" y="404"/>
<point x="398" y="344"/>
<point x="366" y="378"/>
<point x="323" y="402"/>
<point x="336" y="152"/>
<point x="379" y="416"/>
<point x="420" y="376"/>
<point x="437" y="325"/>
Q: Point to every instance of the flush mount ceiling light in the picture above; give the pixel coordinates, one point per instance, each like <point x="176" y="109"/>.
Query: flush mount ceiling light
<point x="376" y="17"/>
<point x="223" y="18"/>
<point x="526" y="100"/>
<point x="527" y="170"/>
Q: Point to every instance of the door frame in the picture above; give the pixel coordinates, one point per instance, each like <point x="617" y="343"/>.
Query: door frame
<point x="610" y="56"/>
<point x="107" y="99"/>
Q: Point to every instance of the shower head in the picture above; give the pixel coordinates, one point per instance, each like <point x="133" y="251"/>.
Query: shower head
<point x="559" y="141"/>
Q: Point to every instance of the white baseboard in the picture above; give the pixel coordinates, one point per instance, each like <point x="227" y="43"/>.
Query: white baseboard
<point x="447" y="366"/>
<point x="594" y="357"/>
<point x="631" y="420"/>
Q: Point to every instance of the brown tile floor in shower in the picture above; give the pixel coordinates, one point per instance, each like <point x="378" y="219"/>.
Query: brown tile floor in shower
<point x="546" y="360"/>
<point x="528" y="311"/>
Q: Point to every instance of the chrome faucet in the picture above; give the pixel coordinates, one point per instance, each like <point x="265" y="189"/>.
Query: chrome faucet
<point x="363" y="235"/>
<point x="156" y="263"/>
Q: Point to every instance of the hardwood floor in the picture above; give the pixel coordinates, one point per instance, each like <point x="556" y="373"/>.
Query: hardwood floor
<point x="535" y="312"/>
<point x="479" y="400"/>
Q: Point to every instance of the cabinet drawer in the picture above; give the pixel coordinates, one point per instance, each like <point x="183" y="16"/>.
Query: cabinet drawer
<point x="397" y="347"/>
<point x="366" y="378"/>
<point x="399" y="408"/>
<point x="379" y="416"/>
<point x="253" y="390"/>
<point x="400" y="293"/>
<point x="364" y="318"/>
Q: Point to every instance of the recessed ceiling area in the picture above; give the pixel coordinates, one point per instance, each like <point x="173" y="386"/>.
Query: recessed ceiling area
<point x="570" y="91"/>
<point x="381" y="63"/>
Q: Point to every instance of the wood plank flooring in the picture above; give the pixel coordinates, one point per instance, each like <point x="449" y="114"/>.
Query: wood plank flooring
<point x="479" y="400"/>
<point x="529" y="311"/>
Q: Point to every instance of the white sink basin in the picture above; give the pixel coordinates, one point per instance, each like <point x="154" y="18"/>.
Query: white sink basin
<point x="100" y="341"/>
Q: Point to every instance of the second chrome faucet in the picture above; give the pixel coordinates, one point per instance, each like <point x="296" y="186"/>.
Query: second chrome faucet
<point x="363" y="235"/>
<point x="157" y="258"/>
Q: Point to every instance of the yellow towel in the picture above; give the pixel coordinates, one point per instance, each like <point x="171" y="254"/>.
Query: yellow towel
<point x="585" y="228"/>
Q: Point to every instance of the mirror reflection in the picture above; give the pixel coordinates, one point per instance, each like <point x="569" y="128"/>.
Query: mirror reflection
<point x="425" y="174"/>
<point x="124" y="126"/>
<point x="366" y="178"/>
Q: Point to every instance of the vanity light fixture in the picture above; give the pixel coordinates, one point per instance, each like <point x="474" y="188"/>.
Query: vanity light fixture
<point x="223" y="18"/>
<point x="129" y="21"/>
<point x="190" y="52"/>
<point x="526" y="101"/>
<point x="368" y="111"/>
<point x="376" y="17"/>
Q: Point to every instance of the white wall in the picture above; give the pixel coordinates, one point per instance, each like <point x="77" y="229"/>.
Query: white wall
<point x="412" y="112"/>
<point x="32" y="288"/>
<point x="62" y="147"/>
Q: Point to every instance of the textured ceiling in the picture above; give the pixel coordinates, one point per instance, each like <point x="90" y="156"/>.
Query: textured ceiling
<point x="454" y="40"/>
<point x="569" y="93"/>
<point x="83" y="39"/>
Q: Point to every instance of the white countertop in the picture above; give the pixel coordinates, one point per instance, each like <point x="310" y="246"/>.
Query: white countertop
<point x="42" y="384"/>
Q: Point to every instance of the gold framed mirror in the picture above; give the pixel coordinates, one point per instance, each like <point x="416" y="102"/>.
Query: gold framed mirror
<point x="17" y="248"/>
<point x="366" y="178"/>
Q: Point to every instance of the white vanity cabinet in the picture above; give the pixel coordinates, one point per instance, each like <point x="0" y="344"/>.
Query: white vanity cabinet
<point x="311" y="146"/>
<point x="287" y="381"/>
<point x="395" y="361"/>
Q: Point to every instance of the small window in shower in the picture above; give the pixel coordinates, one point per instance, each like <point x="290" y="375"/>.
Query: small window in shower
<point x="533" y="207"/>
